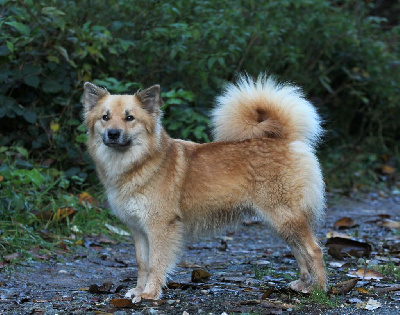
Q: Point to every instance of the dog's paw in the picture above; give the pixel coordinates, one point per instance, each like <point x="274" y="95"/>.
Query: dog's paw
<point x="300" y="286"/>
<point x="133" y="292"/>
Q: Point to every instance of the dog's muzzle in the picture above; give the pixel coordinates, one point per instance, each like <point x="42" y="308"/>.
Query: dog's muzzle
<point x="116" y="138"/>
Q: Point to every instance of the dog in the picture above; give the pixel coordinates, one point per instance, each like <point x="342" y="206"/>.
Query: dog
<point x="263" y="159"/>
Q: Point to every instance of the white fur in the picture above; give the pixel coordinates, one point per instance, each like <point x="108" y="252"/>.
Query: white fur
<point x="287" y="99"/>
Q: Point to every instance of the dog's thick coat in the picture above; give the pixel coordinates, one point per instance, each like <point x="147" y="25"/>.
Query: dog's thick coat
<point x="161" y="188"/>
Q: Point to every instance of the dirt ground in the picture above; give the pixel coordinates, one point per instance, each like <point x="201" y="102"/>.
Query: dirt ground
<point x="249" y="270"/>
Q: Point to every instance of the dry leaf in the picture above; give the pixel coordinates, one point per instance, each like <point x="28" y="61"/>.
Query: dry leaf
<point x="362" y="290"/>
<point x="370" y="305"/>
<point x="344" y="223"/>
<point x="104" y="288"/>
<point x="122" y="303"/>
<point x="63" y="213"/>
<point x="86" y="199"/>
<point x="395" y="287"/>
<point x="366" y="274"/>
<point x="344" y="287"/>
<point x="337" y="264"/>
<point x="390" y="224"/>
<point x="338" y="246"/>
<point x="332" y="234"/>
<point x="388" y="170"/>
<point x="200" y="275"/>
<point x="1" y="178"/>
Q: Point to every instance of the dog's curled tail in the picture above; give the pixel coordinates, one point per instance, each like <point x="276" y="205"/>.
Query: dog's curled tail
<point x="264" y="108"/>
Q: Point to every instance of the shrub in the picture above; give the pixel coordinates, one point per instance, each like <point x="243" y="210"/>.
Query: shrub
<point x="346" y="61"/>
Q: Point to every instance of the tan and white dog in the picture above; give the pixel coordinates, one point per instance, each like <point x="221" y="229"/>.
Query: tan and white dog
<point x="161" y="188"/>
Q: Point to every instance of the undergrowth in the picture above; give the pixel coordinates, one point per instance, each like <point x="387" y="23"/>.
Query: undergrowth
<point x="43" y="210"/>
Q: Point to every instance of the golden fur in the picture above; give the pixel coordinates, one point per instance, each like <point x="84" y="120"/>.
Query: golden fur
<point x="163" y="188"/>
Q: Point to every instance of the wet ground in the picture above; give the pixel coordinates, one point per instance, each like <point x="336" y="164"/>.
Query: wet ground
<point x="249" y="269"/>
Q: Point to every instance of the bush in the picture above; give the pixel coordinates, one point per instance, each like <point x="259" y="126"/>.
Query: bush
<point x="346" y="61"/>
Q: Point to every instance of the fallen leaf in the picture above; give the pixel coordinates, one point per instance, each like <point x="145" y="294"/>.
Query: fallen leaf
<point x="344" y="223"/>
<point x="63" y="246"/>
<point x="389" y="224"/>
<point x="200" y="275"/>
<point x="344" y="287"/>
<point x="338" y="246"/>
<point x="370" y="305"/>
<point x="395" y="287"/>
<point x="63" y="213"/>
<point x="388" y="170"/>
<point x="104" y="288"/>
<point x="87" y="200"/>
<point x="362" y="290"/>
<point x="366" y="274"/>
<point x="267" y="293"/>
<point x="1" y="178"/>
<point x="332" y="234"/>
<point x="122" y="303"/>
<point x="117" y="230"/>
<point x="338" y="264"/>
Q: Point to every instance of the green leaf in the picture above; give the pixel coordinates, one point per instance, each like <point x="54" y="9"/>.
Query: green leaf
<point x="82" y="138"/>
<point x="22" y="28"/>
<point x="32" y="81"/>
<point x="51" y="87"/>
<point x="10" y="46"/>
<point x="22" y="151"/>
<point x="30" y="117"/>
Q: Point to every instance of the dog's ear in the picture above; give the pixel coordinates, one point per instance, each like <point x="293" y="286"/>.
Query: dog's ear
<point x="150" y="98"/>
<point x="92" y="94"/>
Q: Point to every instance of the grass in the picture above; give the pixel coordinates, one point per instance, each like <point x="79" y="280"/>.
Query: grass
<point x="389" y="270"/>
<point x="259" y="273"/>
<point x="322" y="298"/>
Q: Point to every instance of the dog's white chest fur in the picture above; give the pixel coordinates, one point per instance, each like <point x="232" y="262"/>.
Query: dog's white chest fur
<point x="129" y="209"/>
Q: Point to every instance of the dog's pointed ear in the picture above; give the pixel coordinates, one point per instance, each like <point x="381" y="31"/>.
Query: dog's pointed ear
<point x="92" y="94"/>
<point x="150" y="98"/>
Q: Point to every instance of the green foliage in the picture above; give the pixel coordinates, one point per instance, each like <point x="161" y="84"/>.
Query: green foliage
<point x="346" y="59"/>
<point x="182" y="119"/>
<point x="30" y="197"/>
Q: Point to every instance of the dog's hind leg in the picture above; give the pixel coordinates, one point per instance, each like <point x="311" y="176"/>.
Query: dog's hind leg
<point x="294" y="228"/>
<point x="165" y="239"/>
<point x="142" y="261"/>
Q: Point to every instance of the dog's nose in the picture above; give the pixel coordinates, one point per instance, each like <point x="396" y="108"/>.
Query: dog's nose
<point x="113" y="134"/>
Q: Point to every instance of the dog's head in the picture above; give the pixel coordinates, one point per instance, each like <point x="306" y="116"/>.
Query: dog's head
<point x="121" y="121"/>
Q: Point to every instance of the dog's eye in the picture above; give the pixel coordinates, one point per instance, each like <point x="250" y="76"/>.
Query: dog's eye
<point x="106" y="117"/>
<point x="129" y="118"/>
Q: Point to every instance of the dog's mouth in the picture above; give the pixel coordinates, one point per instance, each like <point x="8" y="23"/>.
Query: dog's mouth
<point x="113" y="144"/>
<point x="117" y="143"/>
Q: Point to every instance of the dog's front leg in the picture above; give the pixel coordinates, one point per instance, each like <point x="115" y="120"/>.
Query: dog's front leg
<point x="142" y="260"/>
<point x="165" y="240"/>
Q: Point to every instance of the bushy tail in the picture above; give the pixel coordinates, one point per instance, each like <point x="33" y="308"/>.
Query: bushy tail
<point x="264" y="108"/>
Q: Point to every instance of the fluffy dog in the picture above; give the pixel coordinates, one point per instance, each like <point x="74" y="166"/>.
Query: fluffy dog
<point x="162" y="188"/>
